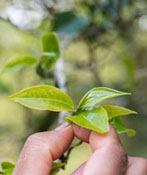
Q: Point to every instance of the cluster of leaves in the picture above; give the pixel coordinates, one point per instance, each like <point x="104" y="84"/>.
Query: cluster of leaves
<point x="88" y="114"/>
<point x="49" y="56"/>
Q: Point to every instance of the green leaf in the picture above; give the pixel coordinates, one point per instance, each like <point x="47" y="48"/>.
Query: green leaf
<point x="97" y="95"/>
<point x="7" y="165"/>
<point x="18" y="62"/>
<point x="119" y="125"/>
<point x="55" y="167"/>
<point x="96" y="120"/>
<point x="8" y="171"/>
<point x="114" y="111"/>
<point x="44" y="97"/>
<point x="7" y="168"/>
<point x="50" y="50"/>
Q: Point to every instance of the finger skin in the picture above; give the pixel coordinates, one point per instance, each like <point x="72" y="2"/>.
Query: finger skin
<point x="80" y="170"/>
<point x="41" y="149"/>
<point x="137" y="166"/>
<point x="108" y="158"/>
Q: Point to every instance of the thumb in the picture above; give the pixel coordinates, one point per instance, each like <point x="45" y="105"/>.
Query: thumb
<point x="108" y="155"/>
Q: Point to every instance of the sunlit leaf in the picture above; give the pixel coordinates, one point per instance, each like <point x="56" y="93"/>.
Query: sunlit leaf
<point x="96" y="120"/>
<point x="18" y="62"/>
<point x="50" y="50"/>
<point x="97" y="95"/>
<point x="44" y="97"/>
<point x="114" y="111"/>
<point x="55" y="167"/>
<point x="118" y="124"/>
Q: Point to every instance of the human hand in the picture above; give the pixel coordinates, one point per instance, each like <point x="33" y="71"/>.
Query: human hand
<point x="108" y="158"/>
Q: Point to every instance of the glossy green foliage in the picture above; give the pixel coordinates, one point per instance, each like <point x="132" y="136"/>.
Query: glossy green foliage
<point x="96" y="120"/>
<point x="114" y="111"/>
<point x="19" y="62"/>
<point x="55" y="167"/>
<point x="50" y="50"/>
<point x="7" y="168"/>
<point x="44" y="97"/>
<point x="118" y="124"/>
<point x="97" y="95"/>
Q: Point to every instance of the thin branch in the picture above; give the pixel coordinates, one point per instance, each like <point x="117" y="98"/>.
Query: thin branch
<point x="60" y="77"/>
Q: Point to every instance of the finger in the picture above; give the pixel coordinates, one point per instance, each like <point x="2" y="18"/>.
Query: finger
<point x="80" y="170"/>
<point x="109" y="156"/>
<point x="137" y="166"/>
<point x="41" y="149"/>
<point x="81" y="133"/>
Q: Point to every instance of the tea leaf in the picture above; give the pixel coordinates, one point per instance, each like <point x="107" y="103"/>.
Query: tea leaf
<point x="44" y="97"/>
<point x="55" y="167"/>
<point x="19" y="62"/>
<point x="7" y="165"/>
<point x="114" y="111"/>
<point x="96" y="120"/>
<point x="50" y="50"/>
<point x="119" y="125"/>
<point x="97" y="95"/>
<point x="7" y="168"/>
<point x="8" y="171"/>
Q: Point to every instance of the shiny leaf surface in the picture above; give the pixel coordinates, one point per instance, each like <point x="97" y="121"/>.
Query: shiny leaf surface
<point x="96" y="120"/>
<point x="97" y="95"/>
<point x="44" y="97"/>
<point x="114" y="111"/>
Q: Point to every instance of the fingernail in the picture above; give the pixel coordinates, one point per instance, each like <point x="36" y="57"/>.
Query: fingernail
<point x="64" y="125"/>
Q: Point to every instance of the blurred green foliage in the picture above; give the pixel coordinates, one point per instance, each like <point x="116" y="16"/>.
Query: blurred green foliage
<point x="106" y="46"/>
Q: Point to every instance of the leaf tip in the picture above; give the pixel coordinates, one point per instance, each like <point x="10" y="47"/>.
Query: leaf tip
<point x="11" y="97"/>
<point x="131" y="132"/>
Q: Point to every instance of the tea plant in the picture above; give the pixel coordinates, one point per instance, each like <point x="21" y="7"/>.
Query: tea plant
<point x="90" y="112"/>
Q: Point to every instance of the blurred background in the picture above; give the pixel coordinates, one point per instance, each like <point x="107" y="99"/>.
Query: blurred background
<point x="103" y="43"/>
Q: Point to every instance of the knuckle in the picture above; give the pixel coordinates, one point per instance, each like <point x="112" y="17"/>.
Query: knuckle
<point x="37" y="137"/>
